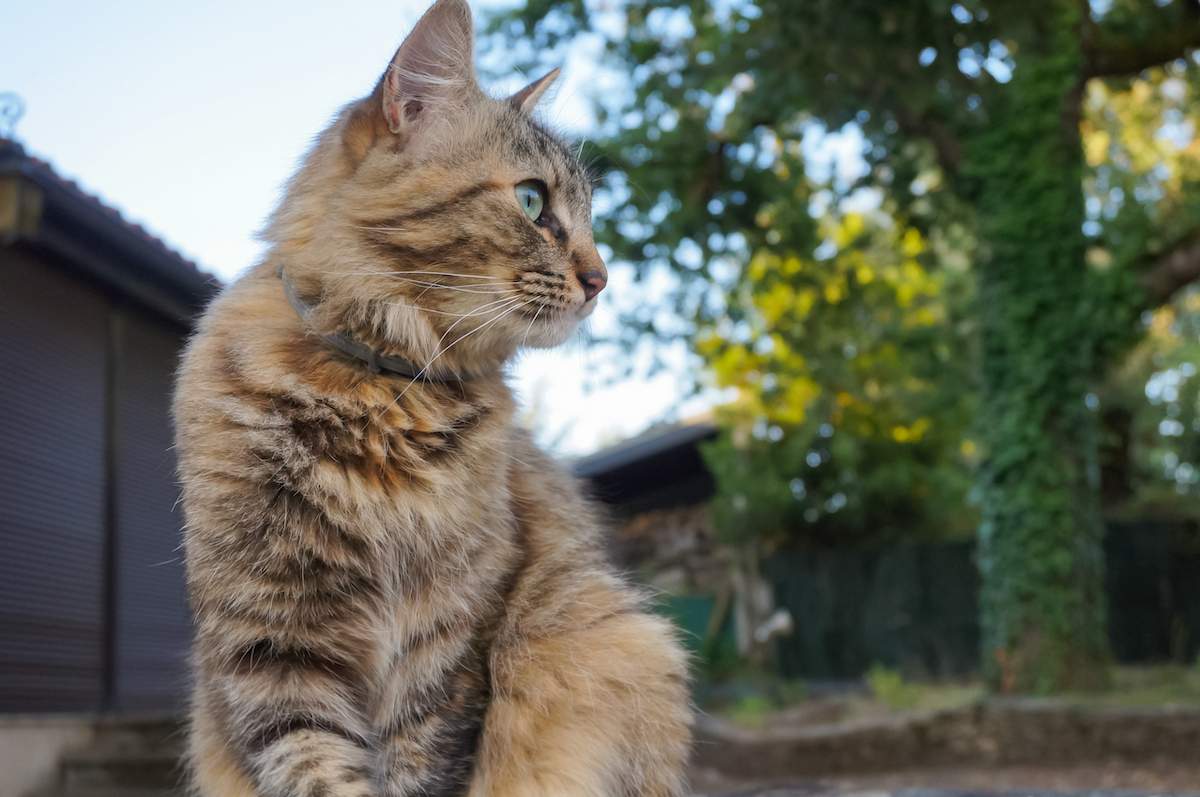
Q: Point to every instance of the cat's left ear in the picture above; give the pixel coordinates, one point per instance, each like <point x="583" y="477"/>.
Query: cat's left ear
<point x="528" y="97"/>
<point x="433" y="72"/>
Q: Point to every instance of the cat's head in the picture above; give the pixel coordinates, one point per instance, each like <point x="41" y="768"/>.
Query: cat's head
<point x="436" y="222"/>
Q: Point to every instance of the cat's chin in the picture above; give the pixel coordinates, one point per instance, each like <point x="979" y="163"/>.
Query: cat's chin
<point x="552" y="330"/>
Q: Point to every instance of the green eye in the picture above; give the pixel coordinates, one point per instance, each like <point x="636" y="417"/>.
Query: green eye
<point x="532" y="197"/>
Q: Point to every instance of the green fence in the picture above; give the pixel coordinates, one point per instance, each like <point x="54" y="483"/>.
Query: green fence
<point x="913" y="607"/>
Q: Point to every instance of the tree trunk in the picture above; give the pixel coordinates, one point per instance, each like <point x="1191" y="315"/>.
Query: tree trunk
<point x="1042" y="603"/>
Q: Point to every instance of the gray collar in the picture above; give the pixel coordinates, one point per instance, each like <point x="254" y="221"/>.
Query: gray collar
<point x="376" y="362"/>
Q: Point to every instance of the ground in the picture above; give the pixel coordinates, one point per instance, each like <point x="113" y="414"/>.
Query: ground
<point x="1150" y="778"/>
<point x="886" y="694"/>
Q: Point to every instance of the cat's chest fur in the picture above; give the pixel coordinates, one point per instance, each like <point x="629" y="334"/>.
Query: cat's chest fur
<point x="406" y="488"/>
<point x="411" y="493"/>
<point x="425" y="482"/>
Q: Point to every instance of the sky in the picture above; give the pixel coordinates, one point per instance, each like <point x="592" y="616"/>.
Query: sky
<point x="189" y="117"/>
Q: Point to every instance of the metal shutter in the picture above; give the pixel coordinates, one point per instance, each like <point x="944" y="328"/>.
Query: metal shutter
<point x="53" y="335"/>
<point x="152" y="621"/>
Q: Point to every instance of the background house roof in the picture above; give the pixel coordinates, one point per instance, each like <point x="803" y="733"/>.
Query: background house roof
<point x="658" y="469"/>
<point x="48" y="213"/>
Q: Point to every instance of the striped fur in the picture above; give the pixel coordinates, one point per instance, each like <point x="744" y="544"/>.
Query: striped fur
<point x="395" y="592"/>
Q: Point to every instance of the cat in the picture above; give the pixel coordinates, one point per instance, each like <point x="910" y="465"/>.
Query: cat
<point x="395" y="592"/>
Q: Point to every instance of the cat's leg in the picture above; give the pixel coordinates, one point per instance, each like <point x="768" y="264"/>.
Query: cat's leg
<point x="281" y="752"/>
<point x="594" y="703"/>
<point x="287" y="652"/>
<point x="285" y="730"/>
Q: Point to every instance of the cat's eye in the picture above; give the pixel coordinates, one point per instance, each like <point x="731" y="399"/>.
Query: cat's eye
<point x="532" y="197"/>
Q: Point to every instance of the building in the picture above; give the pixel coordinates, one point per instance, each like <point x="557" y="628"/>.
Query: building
<point x="93" y="314"/>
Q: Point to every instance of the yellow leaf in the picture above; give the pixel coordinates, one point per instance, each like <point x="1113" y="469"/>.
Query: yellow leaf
<point x="762" y="263"/>
<point x="1096" y="147"/>
<point x="852" y="227"/>
<point x="912" y="244"/>
<point x="1139" y="93"/>
<point x="1164" y="317"/>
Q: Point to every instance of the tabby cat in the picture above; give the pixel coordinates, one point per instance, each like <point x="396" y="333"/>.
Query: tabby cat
<point x="395" y="592"/>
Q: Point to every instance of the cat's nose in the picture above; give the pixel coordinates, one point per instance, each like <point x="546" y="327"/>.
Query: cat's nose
<point x="589" y="270"/>
<point x="593" y="282"/>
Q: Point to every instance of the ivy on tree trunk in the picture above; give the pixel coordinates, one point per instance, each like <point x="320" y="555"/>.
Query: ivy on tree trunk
<point x="1042" y="603"/>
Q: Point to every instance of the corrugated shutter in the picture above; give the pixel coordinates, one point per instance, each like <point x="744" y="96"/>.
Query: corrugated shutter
<point x="52" y="372"/>
<point x="152" y="623"/>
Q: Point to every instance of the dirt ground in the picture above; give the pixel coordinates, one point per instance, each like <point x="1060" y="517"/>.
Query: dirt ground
<point x="1162" y="777"/>
<point x="1136" y="687"/>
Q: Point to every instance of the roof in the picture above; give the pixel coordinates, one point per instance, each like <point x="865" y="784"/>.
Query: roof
<point x="658" y="469"/>
<point x="53" y="216"/>
<point x="654" y="442"/>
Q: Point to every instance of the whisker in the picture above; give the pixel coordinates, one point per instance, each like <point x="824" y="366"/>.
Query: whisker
<point x="436" y="312"/>
<point x="428" y="285"/>
<point x="461" y="276"/>
<point x="367" y="273"/>
<point x="431" y="286"/>
<point x="531" y="323"/>
<point x="401" y="275"/>
<point x="501" y="313"/>
<point x="442" y="339"/>
<point x="481" y="310"/>
<point x="460" y="288"/>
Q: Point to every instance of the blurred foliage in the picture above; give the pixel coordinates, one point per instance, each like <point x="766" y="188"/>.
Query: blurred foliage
<point x="751" y="711"/>
<point x="1156" y="685"/>
<point x="1144" y="158"/>
<point x="850" y="420"/>
<point x="889" y="688"/>
<point x="944" y="300"/>
<point x="1152" y="405"/>
<point x="1139" y="138"/>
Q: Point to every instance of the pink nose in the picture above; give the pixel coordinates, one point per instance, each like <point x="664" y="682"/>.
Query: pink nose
<point x="593" y="282"/>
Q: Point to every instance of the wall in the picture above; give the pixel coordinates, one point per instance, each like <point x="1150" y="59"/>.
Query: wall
<point x="30" y="747"/>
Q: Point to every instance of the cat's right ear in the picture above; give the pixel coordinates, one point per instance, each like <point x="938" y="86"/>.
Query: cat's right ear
<point x="433" y="71"/>
<point x="528" y="97"/>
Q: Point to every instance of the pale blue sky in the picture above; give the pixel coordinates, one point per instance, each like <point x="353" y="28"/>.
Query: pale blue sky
<point x="189" y="117"/>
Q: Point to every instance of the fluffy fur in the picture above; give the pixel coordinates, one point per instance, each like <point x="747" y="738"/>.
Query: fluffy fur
<point x="395" y="592"/>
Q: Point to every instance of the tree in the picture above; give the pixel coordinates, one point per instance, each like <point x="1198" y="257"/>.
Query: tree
<point x="972" y="118"/>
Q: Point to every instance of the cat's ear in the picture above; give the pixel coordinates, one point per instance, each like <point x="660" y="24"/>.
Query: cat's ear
<point x="528" y="97"/>
<point x="432" y="72"/>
